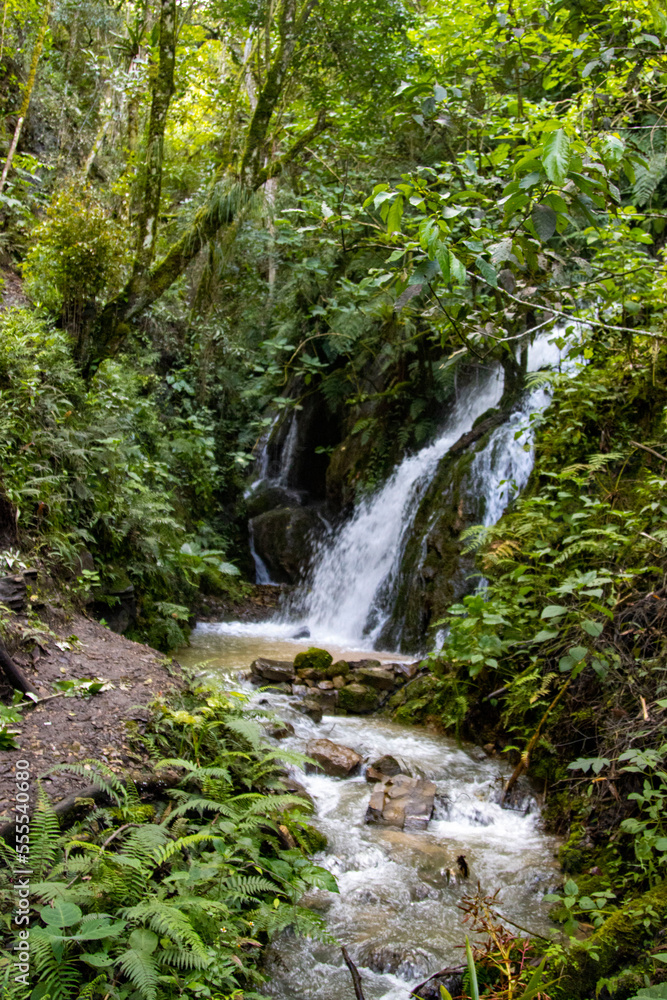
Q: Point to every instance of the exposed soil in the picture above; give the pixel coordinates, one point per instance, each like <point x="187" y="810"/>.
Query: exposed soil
<point x="67" y="730"/>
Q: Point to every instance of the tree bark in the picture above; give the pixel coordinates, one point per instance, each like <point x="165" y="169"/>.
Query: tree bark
<point x="16" y="677"/>
<point x="25" y="104"/>
<point x="162" y="88"/>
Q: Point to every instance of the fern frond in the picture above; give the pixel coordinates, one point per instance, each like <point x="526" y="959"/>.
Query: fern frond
<point x="141" y="969"/>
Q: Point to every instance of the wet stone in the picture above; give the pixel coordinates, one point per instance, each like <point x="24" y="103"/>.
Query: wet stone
<point x="310" y="708"/>
<point x="263" y="670"/>
<point x="338" y="682"/>
<point x="358" y="699"/>
<point x="387" y="765"/>
<point x="402" y="802"/>
<point x="280" y="730"/>
<point x="377" y="677"/>
<point x="333" y="758"/>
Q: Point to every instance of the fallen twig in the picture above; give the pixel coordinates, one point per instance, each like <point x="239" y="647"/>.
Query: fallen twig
<point x="354" y="972"/>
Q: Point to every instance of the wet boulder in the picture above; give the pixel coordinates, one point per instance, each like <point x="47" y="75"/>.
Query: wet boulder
<point x="263" y="671"/>
<point x="377" y="677"/>
<point x="357" y="699"/>
<point x="387" y="766"/>
<point x="452" y="982"/>
<point x="268" y="496"/>
<point x="340" y="668"/>
<point x="397" y="959"/>
<point x="333" y="758"/>
<point x="285" y="540"/>
<point x="309" y="707"/>
<point x="280" y="730"/>
<point x="402" y="802"/>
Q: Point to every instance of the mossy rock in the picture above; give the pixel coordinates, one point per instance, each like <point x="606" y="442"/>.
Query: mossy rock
<point x="339" y="668"/>
<point x="357" y="699"/>
<point x="314" y="659"/>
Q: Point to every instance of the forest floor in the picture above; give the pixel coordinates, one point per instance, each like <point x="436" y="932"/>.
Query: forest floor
<point x="72" y="729"/>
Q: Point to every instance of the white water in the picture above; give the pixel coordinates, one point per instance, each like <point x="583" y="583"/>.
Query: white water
<point x="349" y="596"/>
<point x="396" y="912"/>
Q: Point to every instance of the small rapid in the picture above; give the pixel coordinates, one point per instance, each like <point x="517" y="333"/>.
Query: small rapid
<point x="397" y="911"/>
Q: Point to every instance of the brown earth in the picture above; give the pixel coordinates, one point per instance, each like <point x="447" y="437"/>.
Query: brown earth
<point x="67" y="730"/>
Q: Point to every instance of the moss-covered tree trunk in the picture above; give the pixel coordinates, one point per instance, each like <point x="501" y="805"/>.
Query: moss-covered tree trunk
<point x="27" y="93"/>
<point x="162" y="88"/>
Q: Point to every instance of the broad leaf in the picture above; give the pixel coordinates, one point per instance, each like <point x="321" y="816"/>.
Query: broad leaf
<point x="556" y="156"/>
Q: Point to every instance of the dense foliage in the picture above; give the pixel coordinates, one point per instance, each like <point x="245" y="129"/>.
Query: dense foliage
<point x="169" y="894"/>
<point x="216" y="213"/>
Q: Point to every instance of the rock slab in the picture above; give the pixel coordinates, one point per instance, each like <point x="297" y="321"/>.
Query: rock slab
<point x="263" y="670"/>
<point x="333" y="758"/>
<point x="402" y="802"/>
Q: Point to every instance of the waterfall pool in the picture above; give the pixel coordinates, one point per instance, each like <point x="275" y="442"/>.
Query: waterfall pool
<point x="397" y="911"/>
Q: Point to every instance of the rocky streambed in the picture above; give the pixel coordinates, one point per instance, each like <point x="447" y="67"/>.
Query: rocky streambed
<point x="407" y="814"/>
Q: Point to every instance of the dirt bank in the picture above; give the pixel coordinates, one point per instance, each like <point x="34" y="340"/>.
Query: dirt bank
<point x="66" y="730"/>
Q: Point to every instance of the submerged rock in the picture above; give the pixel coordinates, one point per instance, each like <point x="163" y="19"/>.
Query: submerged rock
<point x="333" y="758"/>
<point x="309" y="707"/>
<point x="402" y="802"/>
<point x="280" y="730"/>
<point x="263" y="670"/>
<point x="397" y="959"/>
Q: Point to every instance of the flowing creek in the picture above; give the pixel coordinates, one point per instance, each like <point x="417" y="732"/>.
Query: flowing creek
<point x="397" y="912"/>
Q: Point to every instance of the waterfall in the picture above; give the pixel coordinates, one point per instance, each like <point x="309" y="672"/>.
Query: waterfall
<point x="349" y="595"/>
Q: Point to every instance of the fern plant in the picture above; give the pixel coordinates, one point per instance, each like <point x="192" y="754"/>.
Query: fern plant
<point x="151" y="901"/>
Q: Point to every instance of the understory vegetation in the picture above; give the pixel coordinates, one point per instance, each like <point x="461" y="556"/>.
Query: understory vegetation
<point x="169" y="890"/>
<point x="215" y="217"/>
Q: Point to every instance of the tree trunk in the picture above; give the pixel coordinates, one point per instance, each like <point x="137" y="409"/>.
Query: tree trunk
<point x="16" y="677"/>
<point x="229" y="195"/>
<point x="25" y="104"/>
<point x="162" y="87"/>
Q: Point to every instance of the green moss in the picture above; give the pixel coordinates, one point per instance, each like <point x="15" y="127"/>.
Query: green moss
<point x="357" y="698"/>
<point x="314" y="659"/>
<point x="340" y="668"/>
<point x="620" y="939"/>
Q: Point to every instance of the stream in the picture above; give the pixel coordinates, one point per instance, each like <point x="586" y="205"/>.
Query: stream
<point x="397" y="912"/>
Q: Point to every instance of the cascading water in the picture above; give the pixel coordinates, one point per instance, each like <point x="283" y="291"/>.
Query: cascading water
<point x="349" y="595"/>
<point x="397" y="910"/>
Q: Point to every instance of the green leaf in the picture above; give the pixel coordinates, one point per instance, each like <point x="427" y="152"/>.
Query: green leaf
<point x="472" y="972"/>
<point x="143" y="940"/>
<point x="446" y="995"/>
<point x="544" y="219"/>
<point x="487" y="271"/>
<point x="571" y="888"/>
<point x="61" y="914"/>
<point x="553" y="611"/>
<point x="593" y="628"/>
<point x="535" y="982"/>
<point x="394" y="215"/>
<point x="578" y="653"/>
<point x="98" y="959"/>
<point x="546" y="634"/>
<point x="556" y="156"/>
